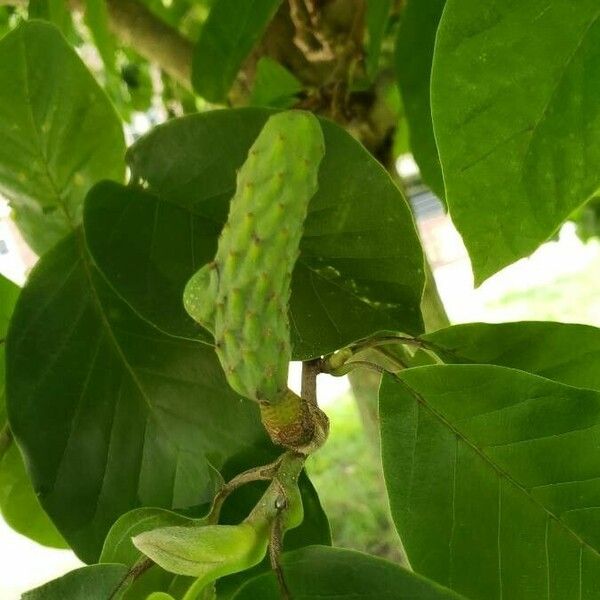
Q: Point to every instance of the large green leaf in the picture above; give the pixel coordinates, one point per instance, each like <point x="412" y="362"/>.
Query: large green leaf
<point x="229" y="34"/>
<point x="360" y="268"/>
<point x="514" y="88"/>
<point x="565" y="352"/>
<point x="59" y="133"/>
<point x="110" y="413"/>
<point x="322" y="573"/>
<point x="493" y="477"/>
<point x="19" y="505"/>
<point x="414" y="55"/>
<point x="96" y="582"/>
<point x="149" y="269"/>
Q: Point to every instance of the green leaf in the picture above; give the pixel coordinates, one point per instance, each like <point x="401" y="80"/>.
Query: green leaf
<point x="169" y="245"/>
<point x="110" y="413"/>
<point x="6" y="23"/>
<point x="19" y="505"/>
<point x="360" y="269"/>
<point x="413" y="58"/>
<point x="55" y="11"/>
<point x="274" y="85"/>
<point x="96" y="18"/>
<point x="9" y="293"/>
<point x="211" y="551"/>
<point x="229" y="34"/>
<point x="204" y="551"/>
<point x="60" y="134"/>
<point x="378" y="17"/>
<point x="321" y="573"/>
<point x="493" y="479"/>
<point x="567" y="353"/>
<point x="96" y="582"/>
<point x="118" y="547"/>
<point x="514" y="88"/>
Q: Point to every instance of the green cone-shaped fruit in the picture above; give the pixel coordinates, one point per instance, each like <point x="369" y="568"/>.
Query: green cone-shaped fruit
<point x="242" y="297"/>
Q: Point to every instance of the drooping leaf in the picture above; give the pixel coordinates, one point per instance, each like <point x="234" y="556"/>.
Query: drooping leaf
<point x="19" y="505"/>
<point x="493" y="478"/>
<point x="413" y="57"/>
<point x="205" y="552"/>
<point x="96" y="582"/>
<point x="322" y="573"/>
<point x="377" y="19"/>
<point x="360" y="268"/>
<point x="59" y="133"/>
<point x="565" y="352"/>
<point x="110" y="413"/>
<point x="516" y="120"/>
<point x="274" y="85"/>
<point x="229" y="34"/>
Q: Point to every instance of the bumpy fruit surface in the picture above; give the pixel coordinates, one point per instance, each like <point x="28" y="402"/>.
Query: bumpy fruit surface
<point x="243" y="295"/>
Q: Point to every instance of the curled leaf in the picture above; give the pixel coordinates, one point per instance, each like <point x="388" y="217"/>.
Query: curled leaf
<point x="206" y="552"/>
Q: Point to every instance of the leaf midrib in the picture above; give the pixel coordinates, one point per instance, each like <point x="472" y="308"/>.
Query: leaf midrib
<point x="488" y="460"/>
<point x="561" y="77"/>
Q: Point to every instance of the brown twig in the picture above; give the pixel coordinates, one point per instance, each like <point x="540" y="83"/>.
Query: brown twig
<point x="137" y="570"/>
<point x="262" y="473"/>
<point x="310" y="370"/>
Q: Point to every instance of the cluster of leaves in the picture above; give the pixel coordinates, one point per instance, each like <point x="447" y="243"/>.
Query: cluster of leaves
<point x="120" y="425"/>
